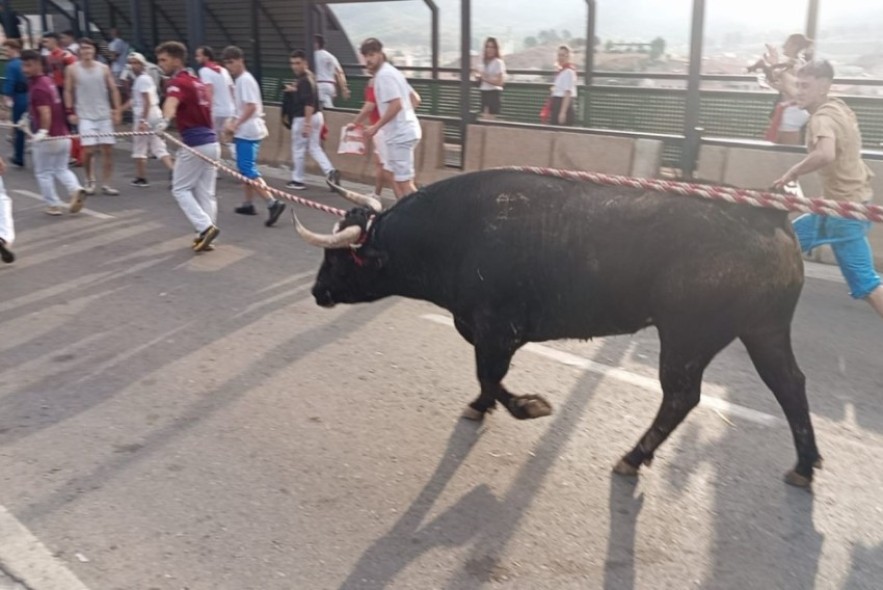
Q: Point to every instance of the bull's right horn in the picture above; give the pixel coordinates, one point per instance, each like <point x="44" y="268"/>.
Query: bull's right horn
<point x="341" y="239"/>
<point x="357" y="198"/>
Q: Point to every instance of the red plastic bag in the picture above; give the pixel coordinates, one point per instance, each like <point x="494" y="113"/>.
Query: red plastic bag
<point x="546" y="111"/>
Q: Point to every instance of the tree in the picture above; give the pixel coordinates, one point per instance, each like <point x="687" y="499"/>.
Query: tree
<point x="657" y="48"/>
<point x="530" y="42"/>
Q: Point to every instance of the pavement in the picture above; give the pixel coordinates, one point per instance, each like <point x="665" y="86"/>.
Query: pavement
<point x="174" y="421"/>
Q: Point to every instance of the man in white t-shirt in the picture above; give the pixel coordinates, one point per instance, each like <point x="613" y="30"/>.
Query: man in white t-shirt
<point x="145" y="114"/>
<point x="329" y="74"/>
<point x="220" y="87"/>
<point x="401" y="129"/>
<point x="248" y="129"/>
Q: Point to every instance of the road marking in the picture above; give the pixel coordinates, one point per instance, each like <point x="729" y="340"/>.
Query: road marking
<point x="714" y="402"/>
<point x="84" y="211"/>
<point x="27" y="560"/>
<point x="823" y="272"/>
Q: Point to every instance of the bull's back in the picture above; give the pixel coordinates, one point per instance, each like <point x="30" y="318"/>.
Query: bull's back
<point x="578" y="259"/>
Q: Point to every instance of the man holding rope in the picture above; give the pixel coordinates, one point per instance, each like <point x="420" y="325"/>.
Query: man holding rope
<point x="193" y="179"/>
<point x="834" y="143"/>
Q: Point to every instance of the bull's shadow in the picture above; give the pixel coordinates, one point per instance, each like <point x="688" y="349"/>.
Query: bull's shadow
<point x="488" y="522"/>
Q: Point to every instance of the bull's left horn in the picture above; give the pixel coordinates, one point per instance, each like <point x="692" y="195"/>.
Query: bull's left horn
<point x="341" y="239"/>
<point x="357" y="198"/>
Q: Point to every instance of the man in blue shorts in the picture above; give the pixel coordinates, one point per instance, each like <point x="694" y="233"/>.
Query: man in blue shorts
<point x="834" y="144"/>
<point x="249" y="129"/>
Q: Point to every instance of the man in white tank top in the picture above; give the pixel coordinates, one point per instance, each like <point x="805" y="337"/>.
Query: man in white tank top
<point x="219" y="85"/>
<point x="89" y="90"/>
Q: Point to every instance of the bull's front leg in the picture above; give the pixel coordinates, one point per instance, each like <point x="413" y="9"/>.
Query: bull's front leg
<point x="492" y="358"/>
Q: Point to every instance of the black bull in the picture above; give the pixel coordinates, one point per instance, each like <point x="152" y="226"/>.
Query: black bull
<point x="518" y="257"/>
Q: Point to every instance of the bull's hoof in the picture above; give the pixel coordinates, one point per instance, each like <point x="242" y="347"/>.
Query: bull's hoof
<point x="528" y="407"/>
<point x="625" y="469"/>
<point x="471" y="413"/>
<point x="793" y="478"/>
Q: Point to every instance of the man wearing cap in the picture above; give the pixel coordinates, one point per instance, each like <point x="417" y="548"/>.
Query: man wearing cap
<point x="145" y="114"/>
<point x="397" y="117"/>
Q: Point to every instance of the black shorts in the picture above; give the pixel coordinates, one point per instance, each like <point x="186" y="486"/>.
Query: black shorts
<point x="490" y="101"/>
<point x="570" y="115"/>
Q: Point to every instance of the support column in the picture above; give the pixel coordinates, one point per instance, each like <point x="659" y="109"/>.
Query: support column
<point x="256" y="61"/>
<point x="591" y="27"/>
<point x="137" y="29"/>
<point x="87" y="15"/>
<point x="195" y="26"/>
<point x="465" y="72"/>
<point x="435" y="37"/>
<point x="812" y="19"/>
<point x="44" y="23"/>
<point x="309" y="31"/>
<point x="694" y="98"/>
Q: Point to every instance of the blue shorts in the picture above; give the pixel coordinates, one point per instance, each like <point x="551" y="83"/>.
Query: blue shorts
<point x="848" y="239"/>
<point x="247" y="156"/>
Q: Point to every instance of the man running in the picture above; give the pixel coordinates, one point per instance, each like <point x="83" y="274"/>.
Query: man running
<point x="145" y="114"/>
<point x="193" y="179"/>
<point x="303" y="115"/>
<point x="249" y="129"/>
<point x="47" y="120"/>
<point x="89" y="91"/>
<point x="219" y="84"/>
<point x="834" y="143"/>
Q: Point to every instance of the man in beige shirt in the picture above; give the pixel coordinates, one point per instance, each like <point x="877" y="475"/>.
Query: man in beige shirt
<point x="834" y="143"/>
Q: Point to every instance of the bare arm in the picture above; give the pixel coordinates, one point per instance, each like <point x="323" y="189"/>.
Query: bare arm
<point x="170" y="107"/>
<point x="415" y="98"/>
<point x="69" y="89"/>
<point x="209" y="92"/>
<point x="395" y="106"/>
<point x="247" y="111"/>
<point x="364" y="113"/>
<point x="823" y="153"/>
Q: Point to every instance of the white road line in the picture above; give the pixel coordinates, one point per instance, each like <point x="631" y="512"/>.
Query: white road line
<point x="84" y="211"/>
<point x="714" y="402"/>
<point x="29" y="561"/>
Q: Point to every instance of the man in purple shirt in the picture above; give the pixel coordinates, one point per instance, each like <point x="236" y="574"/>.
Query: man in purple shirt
<point x="47" y="121"/>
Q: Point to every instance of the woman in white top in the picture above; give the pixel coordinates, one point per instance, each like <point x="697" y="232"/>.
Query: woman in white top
<point x="491" y="73"/>
<point x="564" y="90"/>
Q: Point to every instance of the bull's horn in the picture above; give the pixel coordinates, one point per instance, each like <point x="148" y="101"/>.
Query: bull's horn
<point x="341" y="239"/>
<point x="357" y="198"/>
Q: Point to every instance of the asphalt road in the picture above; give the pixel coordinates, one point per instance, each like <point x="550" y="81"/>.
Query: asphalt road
<point x="172" y="421"/>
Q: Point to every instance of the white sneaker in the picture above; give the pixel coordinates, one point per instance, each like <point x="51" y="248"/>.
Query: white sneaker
<point x="109" y="190"/>
<point x="90" y="187"/>
<point x="53" y="210"/>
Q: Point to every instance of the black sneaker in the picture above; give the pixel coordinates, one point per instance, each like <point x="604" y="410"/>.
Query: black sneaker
<point x="5" y="253"/>
<point x="247" y="209"/>
<point x="334" y="177"/>
<point x="298" y="186"/>
<point x="275" y="210"/>
<point x="204" y="240"/>
<point x="140" y="182"/>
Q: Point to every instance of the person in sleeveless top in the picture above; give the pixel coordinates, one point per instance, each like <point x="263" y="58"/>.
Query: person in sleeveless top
<point x="92" y="102"/>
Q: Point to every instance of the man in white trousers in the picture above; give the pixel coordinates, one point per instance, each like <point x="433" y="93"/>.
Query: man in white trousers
<point x="219" y="84"/>
<point x="51" y="156"/>
<point x="145" y="113"/>
<point x="7" y="227"/>
<point x="193" y="179"/>
<point x="302" y="113"/>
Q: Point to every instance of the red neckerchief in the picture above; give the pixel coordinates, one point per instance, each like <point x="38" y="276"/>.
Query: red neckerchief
<point x="213" y="66"/>
<point x="355" y="247"/>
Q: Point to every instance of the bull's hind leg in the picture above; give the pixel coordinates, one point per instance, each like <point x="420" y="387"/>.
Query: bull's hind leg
<point x="682" y="361"/>
<point x="774" y="360"/>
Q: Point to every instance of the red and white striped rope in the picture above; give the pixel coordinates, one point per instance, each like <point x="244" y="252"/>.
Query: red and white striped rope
<point x="784" y="202"/>
<point x="263" y="187"/>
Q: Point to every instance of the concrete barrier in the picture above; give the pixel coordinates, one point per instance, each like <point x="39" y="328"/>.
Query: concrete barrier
<point x="758" y="169"/>
<point x="489" y="146"/>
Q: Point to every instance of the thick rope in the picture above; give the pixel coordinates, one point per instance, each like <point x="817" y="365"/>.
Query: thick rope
<point x="783" y="202"/>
